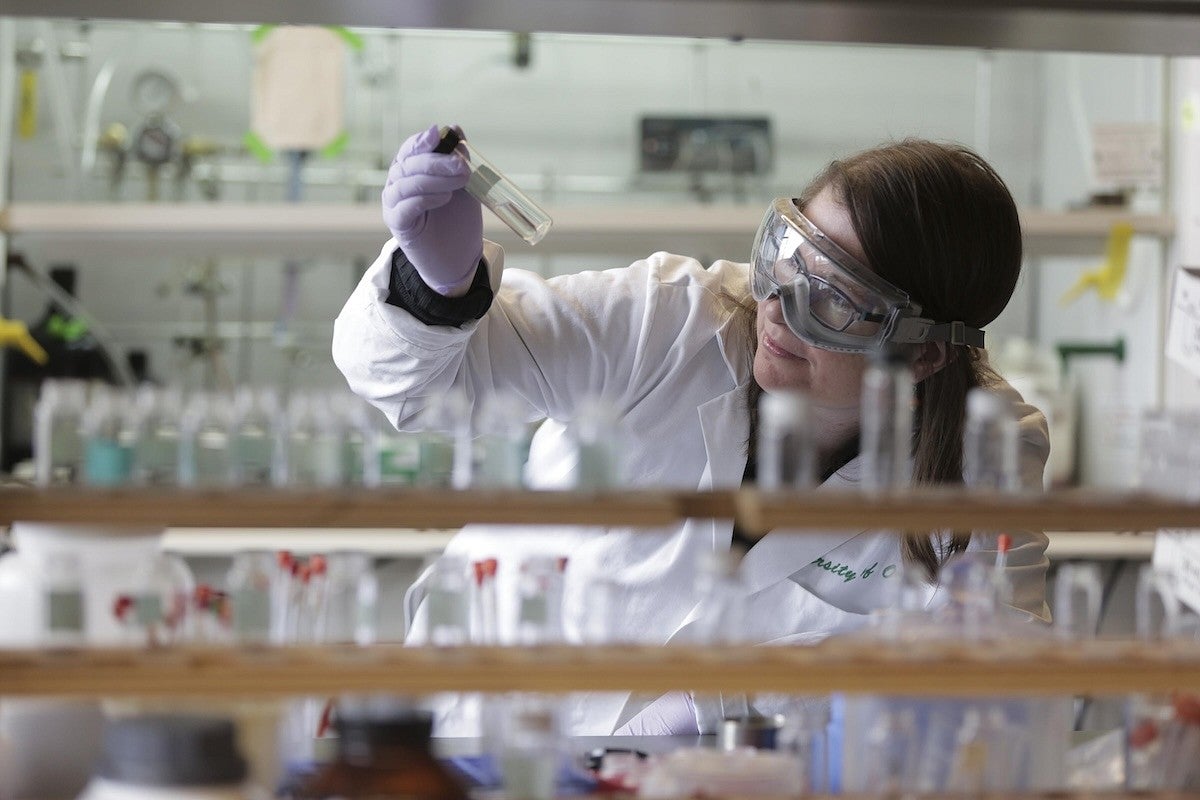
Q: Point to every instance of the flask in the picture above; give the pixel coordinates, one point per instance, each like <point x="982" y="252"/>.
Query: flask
<point x="58" y="446"/>
<point x="990" y="442"/>
<point x="887" y="421"/>
<point x="169" y="756"/>
<point x="786" y="451"/>
<point x="383" y="756"/>
<point x="492" y="188"/>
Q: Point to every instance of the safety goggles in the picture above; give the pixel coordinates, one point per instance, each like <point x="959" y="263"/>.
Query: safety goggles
<point x="829" y="298"/>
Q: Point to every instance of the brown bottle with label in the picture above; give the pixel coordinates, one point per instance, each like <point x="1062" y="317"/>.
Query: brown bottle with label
<point x="384" y="757"/>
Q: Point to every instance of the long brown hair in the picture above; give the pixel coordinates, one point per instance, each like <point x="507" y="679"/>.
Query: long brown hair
<point x="937" y="221"/>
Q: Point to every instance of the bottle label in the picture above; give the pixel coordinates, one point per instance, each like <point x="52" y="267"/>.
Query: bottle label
<point x="64" y="611"/>
<point x="251" y="614"/>
<point x="106" y="463"/>
<point x="148" y="609"/>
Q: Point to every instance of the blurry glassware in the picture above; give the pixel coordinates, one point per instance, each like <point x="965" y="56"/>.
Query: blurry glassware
<point x="990" y="442"/>
<point x="383" y="754"/>
<point x="445" y="424"/>
<point x="532" y="748"/>
<point x="1154" y="448"/>
<point x="1156" y="603"/>
<point x="502" y="446"/>
<point x="107" y="460"/>
<point x="156" y="442"/>
<point x="315" y="442"/>
<point x="596" y="433"/>
<point x="484" y="611"/>
<point x="361" y="455"/>
<point x="887" y="421"/>
<point x="348" y="614"/>
<point x="57" y="442"/>
<point x="253" y="434"/>
<point x="250" y="585"/>
<point x="447" y="596"/>
<point x="891" y="752"/>
<point x="64" y="615"/>
<point x="161" y="596"/>
<point x="204" y="448"/>
<point x="1077" y="597"/>
<point x="540" y="600"/>
<point x="786" y="448"/>
<point x="172" y="757"/>
<point x="721" y="594"/>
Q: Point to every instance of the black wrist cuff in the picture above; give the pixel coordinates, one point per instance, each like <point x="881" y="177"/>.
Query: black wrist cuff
<point x="407" y="290"/>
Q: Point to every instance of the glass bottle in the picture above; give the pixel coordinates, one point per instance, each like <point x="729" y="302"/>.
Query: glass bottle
<point x="316" y="442"/>
<point x="251" y="597"/>
<point x="159" y="608"/>
<point x="107" y="460"/>
<point x="447" y="598"/>
<point x="502" y="445"/>
<point x="990" y="442"/>
<point x="785" y="449"/>
<point x="445" y="425"/>
<point x="204" y="442"/>
<point x="531" y="747"/>
<point x="887" y="421"/>
<point x="57" y="444"/>
<point x="384" y="756"/>
<point x="252" y="436"/>
<point x="596" y="434"/>
<point x="540" y="600"/>
<point x="156" y="442"/>
<point x="348" y="611"/>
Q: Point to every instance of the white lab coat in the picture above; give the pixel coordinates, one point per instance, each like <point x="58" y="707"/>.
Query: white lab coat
<point x="661" y="338"/>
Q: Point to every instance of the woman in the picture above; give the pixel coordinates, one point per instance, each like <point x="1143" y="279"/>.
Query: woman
<point x="683" y="352"/>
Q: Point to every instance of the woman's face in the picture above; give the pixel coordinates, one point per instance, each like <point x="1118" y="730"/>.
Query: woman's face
<point x="784" y="361"/>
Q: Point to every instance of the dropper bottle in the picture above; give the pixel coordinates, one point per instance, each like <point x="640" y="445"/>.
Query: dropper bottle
<point x="491" y="187"/>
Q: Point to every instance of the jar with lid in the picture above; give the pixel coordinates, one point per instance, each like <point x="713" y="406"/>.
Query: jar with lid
<point x="383" y="755"/>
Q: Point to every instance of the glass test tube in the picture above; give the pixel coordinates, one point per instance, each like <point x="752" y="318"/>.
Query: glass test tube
<point x="491" y="187"/>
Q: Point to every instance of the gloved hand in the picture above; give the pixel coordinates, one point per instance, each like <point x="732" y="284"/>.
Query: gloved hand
<point x="438" y="225"/>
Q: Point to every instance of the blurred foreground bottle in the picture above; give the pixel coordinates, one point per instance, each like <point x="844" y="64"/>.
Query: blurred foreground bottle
<point x="383" y="756"/>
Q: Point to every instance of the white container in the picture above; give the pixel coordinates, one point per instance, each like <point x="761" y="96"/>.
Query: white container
<point x="110" y="559"/>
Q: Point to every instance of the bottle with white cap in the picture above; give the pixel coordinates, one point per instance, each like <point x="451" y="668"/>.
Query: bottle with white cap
<point x="786" y="450"/>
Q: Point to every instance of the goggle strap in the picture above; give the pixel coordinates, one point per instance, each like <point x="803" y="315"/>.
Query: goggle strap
<point x="956" y="333"/>
<point x="916" y="330"/>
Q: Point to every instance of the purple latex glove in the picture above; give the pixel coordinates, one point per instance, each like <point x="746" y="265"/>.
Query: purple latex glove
<point x="438" y="225"/>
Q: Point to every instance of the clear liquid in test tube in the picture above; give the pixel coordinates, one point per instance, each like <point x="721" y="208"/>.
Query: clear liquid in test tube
<point x="491" y="187"/>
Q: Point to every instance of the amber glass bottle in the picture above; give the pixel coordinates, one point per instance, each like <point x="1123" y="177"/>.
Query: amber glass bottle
<point x="384" y="757"/>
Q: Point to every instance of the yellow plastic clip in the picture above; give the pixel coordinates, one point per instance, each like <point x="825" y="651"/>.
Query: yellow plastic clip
<point x="1107" y="278"/>
<point x="13" y="333"/>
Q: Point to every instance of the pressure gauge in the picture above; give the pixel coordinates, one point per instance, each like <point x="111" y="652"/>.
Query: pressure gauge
<point x="154" y="92"/>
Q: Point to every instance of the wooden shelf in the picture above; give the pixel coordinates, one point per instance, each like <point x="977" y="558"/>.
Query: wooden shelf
<point x="948" y="669"/>
<point x="934" y="509"/>
<point x="234" y="227"/>
<point x="757" y="512"/>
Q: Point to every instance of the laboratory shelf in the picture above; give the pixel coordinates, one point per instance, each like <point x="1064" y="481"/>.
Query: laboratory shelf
<point x="234" y="227"/>
<point x="440" y="509"/>
<point x="1027" y="667"/>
